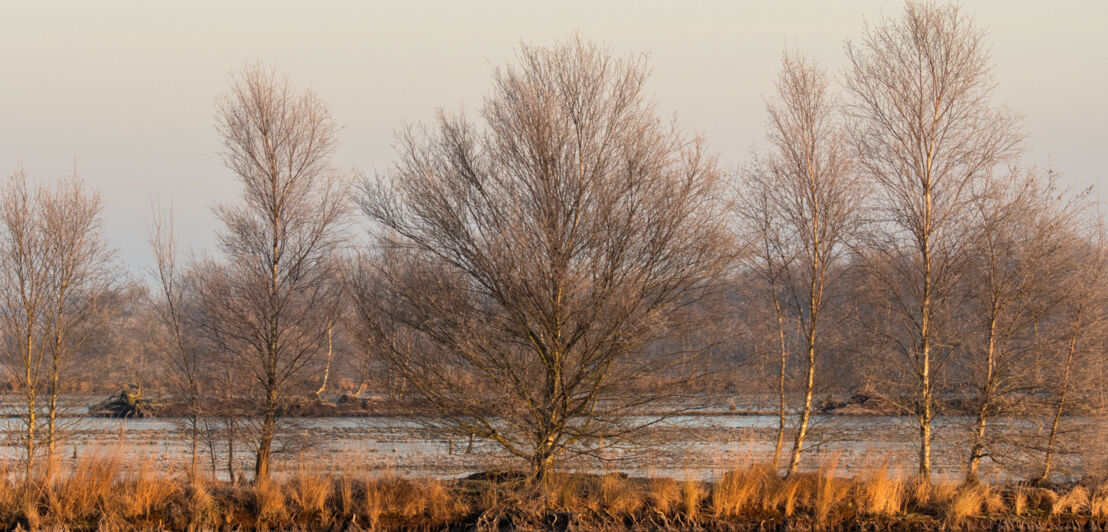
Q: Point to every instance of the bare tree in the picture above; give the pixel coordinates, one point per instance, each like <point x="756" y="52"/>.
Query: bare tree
<point x="538" y="271"/>
<point x="924" y="130"/>
<point x="25" y="304"/>
<point x="81" y="272"/>
<point x="1018" y="260"/>
<point x="760" y="230"/>
<point x="269" y="303"/>
<point x="1082" y="319"/>
<point x="172" y="308"/>
<point x="56" y="268"/>
<point x="813" y="191"/>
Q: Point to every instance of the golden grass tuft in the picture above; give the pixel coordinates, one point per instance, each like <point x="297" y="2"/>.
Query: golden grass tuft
<point x="880" y="494"/>
<point x="423" y="503"/>
<point x="830" y="491"/>
<point x="201" y="504"/>
<point x="1019" y="501"/>
<point x="665" y="495"/>
<point x="994" y="502"/>
<point x="619" y="496"/>
<point x="692" y="495"/>
<point x="269" y="502"/>
<point x="966" y="502"/>
<point x="310" y="495"/>
<point x="740" y="491"/>
<point x="1073" y="502"/>
<point x="789" y="495"/>
<point x="1098" y="503"/>
<point x="86" y="493"/>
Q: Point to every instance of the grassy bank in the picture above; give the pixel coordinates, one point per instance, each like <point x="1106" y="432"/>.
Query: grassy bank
<point x="106" y="493"/>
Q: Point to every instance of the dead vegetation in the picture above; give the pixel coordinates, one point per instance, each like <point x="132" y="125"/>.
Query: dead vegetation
<point x="108" y="491"/>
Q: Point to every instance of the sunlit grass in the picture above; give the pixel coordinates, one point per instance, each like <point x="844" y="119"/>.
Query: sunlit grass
<point x="112" y="490"/>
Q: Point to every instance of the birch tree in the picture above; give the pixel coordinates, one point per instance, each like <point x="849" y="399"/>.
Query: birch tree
<point x="924" y="130"/>
<point x="56" y="267"/>
<point x="268" y="303"/>
<point x="814" y="190"/>
<point x="1018" y="263"/>
<point x="1082" y="321"/>
<point x="81" y="273"/>
<point x="172" y="307"/>
<point x="26" y="298"/>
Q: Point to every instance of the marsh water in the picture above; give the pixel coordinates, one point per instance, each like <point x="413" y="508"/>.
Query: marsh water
<point x="694" y="446"/>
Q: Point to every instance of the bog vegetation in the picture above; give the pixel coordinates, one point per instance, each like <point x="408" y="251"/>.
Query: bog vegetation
<point x="564" y="267"/>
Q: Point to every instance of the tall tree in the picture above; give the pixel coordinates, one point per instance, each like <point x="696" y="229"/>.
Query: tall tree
<point x="57" y="266"/>
<point x="268" y="305"/>
<point x="814" y="191"/>
<point x="538" y="271"/>
<point x="25" y="304"/>
<point x="924" y="130"/>
<point x="1019" y="258"/>
<point x="1082" y="321"/>
<point x="761" y="231"/>
<point x="172" y="305"/>
<point x="81" y="273"/>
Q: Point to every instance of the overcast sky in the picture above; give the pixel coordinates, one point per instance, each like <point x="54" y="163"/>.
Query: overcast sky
<point x="125" y="90"/>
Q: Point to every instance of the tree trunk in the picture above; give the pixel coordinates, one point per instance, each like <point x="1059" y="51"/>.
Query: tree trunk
<point x="230" y="432"/>
<point x="195" y="448"/>
<point x="1057" y="420"/>
<point x="925" y="419"/>
<point x="977" y="451"/>
<point x="52" y="417"/>
<point x="30" y="439"/>
<point x="327" y="368"/>
<point x="923" y="411"/>
<point x="806" y="411"/>
<point x="782" y="409"/>
<point x="265" y="443"/>
<point x="542" y="465"/>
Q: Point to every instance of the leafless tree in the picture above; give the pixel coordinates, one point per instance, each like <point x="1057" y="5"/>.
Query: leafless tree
<point x="1018" y="260"/>
<point x="537" y="272"/>
<point x="172" y="308"/>
<point x="924" y="130"/>
<point x="81" y="272"/>
<point x="26" y="300"/>
<point x="760" y="231"/>
<point x="57" y="266"/>
<point x="814" y="195"/>
<point x="268" y="304"/>
<point x="1082" y="320"/>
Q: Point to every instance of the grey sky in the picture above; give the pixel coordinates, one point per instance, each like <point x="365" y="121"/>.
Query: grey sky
<point x="126" y="89"/>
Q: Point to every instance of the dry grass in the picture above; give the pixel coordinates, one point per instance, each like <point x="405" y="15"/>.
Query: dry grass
<point x="830" y="491"/>
<point x="310" y="496"/>
<point x="880" y="494"/>
<point x="1098" y="505"/>
<point x="692" y="495"/>
<point x="994" y="502"/>
<point x="619" y="497"/>
<point x="1073" y="502"/>
<point x="109" y="492"/>
<point x="665" y="496"/>
<point x="965" y="503"/>
<point x="786" y="495"/>
<point x="1019" y="501"/>
<point x="740" y="491"/>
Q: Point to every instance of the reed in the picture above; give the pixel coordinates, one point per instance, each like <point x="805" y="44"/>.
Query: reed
<point x="965" y="503"/>
<point x="111" y="490"/>
<point x="880" y="494"/>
